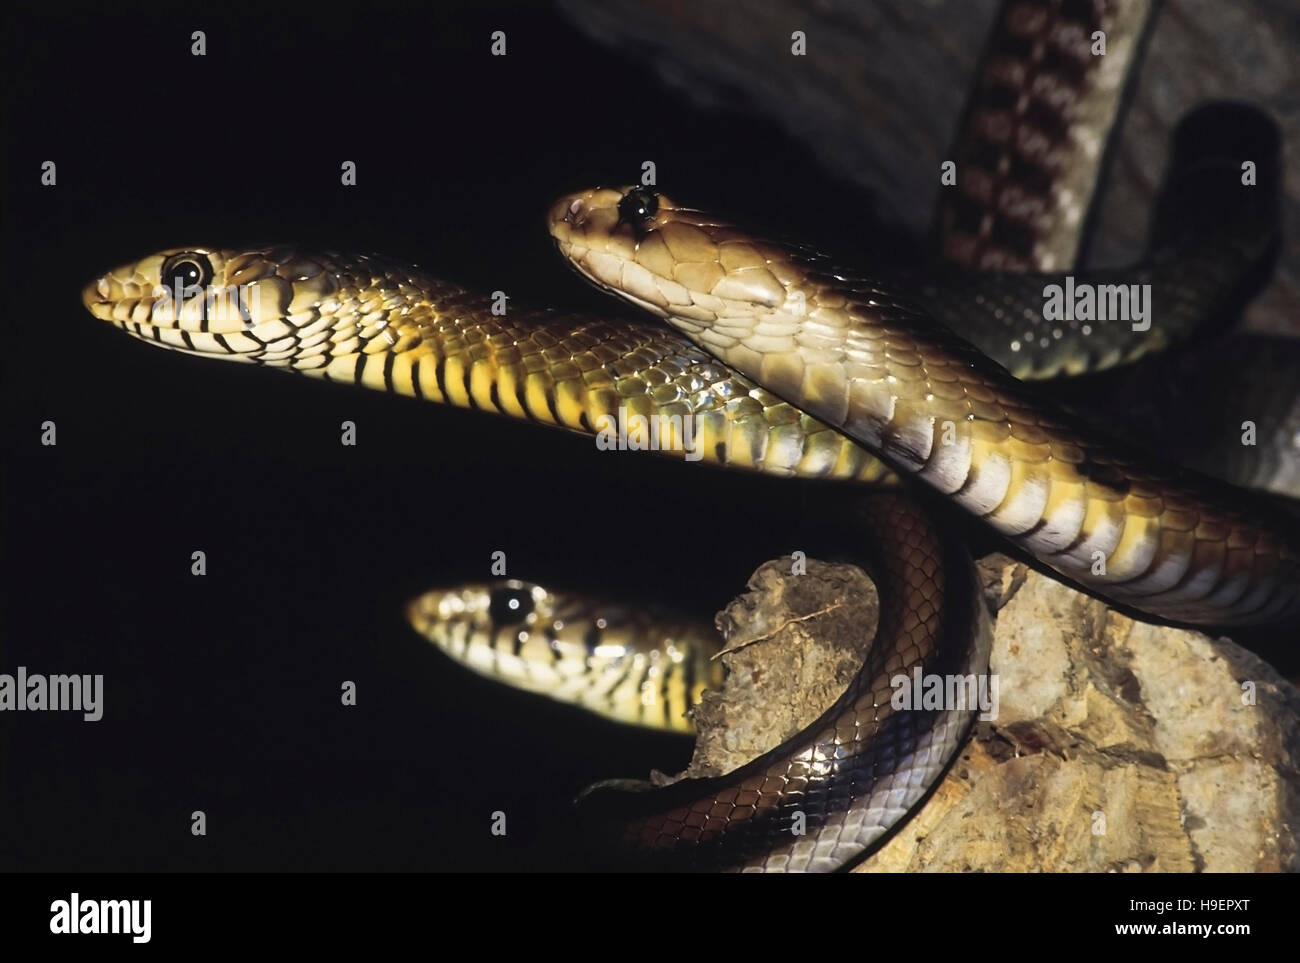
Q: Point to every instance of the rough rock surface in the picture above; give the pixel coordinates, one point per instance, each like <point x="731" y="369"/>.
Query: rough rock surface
<point x="792" y="644"/>
<point x="1118" y="745"/>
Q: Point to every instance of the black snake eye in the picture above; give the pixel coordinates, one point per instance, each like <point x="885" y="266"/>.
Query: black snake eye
<point x="638" y="205"/>
<point x="510" y="605"/>
<point x="186" y="272"/>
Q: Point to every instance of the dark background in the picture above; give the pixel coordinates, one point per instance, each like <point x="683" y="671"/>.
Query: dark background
<point x="222" y="693"/>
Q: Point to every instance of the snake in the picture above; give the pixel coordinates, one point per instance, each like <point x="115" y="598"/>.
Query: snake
<point x="782" y="363"/>
<point x="624" y="663"/>
<point x="856" y="353"/>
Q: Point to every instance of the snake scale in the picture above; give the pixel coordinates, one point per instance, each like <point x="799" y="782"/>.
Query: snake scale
<point x="784" y="364"/>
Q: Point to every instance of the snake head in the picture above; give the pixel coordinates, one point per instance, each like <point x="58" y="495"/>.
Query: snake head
<point x="532" y="625"/>
<point x="749" y="302"/>
<point x="456" y="619"/>
<point x="625" y="664"/>
<point x="679" y="263"/>
<point x="247" y="306"/>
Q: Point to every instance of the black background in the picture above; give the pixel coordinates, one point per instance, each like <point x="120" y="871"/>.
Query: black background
<point x="222" y="693"/>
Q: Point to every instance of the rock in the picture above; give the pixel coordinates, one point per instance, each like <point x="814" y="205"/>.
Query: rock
<point x="792" y="645"/>
<point x="1118" y="745"/>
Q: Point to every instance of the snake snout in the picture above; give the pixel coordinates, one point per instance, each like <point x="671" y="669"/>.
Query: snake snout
<point x="94" y="293"/>
<point x="568" y="218"/>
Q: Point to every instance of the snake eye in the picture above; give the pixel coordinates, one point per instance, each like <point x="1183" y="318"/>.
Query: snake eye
<point x="186" y="273"/>
<point x="510" y="605"/>
<point x="638" y="205"/>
